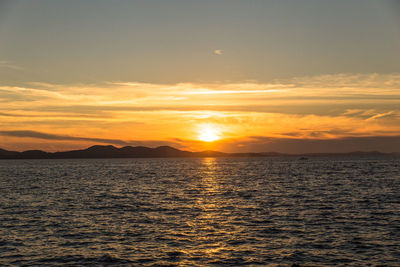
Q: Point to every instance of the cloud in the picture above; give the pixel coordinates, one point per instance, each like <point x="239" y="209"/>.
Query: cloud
<point x="324" y="89"/>
<point x="214" y="92"/>
<point x="291" y="145"/>
<point x="386" y="144"/>
<point x="381" y="115"/>
<point x="33" y="93"/>
<point x="46" y="136"/>
<point x="9" y="65"/>
<point x="326" y="106"/>
<point x="58" y="137"/>
<point x="218" y="52"/>
<point x="3" y="114"/>
<point x="351" y="82"/>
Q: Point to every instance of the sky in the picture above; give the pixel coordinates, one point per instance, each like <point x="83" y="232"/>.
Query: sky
<point x="227" y="75"/>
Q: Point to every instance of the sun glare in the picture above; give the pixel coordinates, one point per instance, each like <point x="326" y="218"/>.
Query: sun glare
<point x="208" y="133"/>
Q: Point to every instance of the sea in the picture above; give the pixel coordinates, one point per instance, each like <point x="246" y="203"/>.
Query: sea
<point x="320" y="211"/>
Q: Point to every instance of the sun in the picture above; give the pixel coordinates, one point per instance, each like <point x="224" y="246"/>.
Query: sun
<point x="208" y="133"/>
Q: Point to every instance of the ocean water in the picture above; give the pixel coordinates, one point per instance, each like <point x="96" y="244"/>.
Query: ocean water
<point x="200" y="212"/>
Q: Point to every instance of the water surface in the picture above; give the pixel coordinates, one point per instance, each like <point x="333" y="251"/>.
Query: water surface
<point x="200" y="212"/>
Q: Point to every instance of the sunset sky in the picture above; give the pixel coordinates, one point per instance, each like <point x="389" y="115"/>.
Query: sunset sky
<point x="227" y="75"/>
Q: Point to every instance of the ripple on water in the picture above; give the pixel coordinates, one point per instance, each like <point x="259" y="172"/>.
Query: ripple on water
<point x="185" y="212"/>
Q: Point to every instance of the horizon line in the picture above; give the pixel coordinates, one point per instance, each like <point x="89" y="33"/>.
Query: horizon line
<point x="208" y="151"/>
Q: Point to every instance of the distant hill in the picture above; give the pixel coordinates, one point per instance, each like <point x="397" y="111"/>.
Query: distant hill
<point x="109" y="151"/>
<point x="7" y="153"/>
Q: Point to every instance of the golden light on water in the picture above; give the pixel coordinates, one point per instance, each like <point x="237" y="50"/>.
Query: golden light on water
<point x="208" y="133"/>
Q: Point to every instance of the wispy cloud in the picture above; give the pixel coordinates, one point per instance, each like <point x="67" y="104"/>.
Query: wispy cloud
<point x="246" y="144"/>
<point x="12" y="115"/>
<point x="319" y="88"/>
<point x="218" y="52"/>
<point x="317" y="145"/>
<point x="381" y="115"/>
<point x="327" y="106"/>
<point x="215" y="92"/>
<point x="58" y="137"/>
<point x="46" y="136"/>
<point x="9" y="65"/>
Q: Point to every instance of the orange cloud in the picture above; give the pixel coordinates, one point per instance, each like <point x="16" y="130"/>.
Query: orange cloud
<point x="328" y="106"/>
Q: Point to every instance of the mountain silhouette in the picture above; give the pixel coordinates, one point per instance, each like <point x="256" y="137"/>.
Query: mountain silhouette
<point x="109" y="151"/>
<point x="7" y="153"/>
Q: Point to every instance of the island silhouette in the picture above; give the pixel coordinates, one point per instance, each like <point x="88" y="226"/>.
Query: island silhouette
<point x="109" y="151"/>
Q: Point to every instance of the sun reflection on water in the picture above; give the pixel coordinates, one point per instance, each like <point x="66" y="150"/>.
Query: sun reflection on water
<point x="210" y="227"/>
<point x="197" y="212"/>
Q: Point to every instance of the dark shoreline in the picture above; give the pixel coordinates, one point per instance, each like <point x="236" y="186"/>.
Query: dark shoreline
<point x="108" y="151"/>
